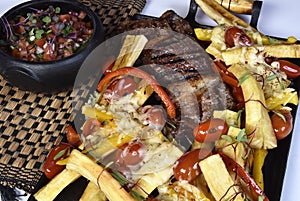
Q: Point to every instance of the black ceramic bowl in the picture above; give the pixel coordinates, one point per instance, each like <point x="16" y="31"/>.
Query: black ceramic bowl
<point x="47" y="76"/>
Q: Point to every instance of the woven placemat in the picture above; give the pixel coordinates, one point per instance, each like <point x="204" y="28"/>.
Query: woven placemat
<point x="30" y="123"/>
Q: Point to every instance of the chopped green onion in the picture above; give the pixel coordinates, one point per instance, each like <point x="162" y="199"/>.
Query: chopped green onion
<point x="280" y="115"/>
<point x="38" y="34"/>
<point x="59" y="154"/>
<point x="261" y="198"/>
<point x="31" y="33"/>
<point x="227" y="138"/>
<point x="271" y="77"/>
<point x="243" y="79"/>
<point x="239" y="114"/>
<point x="57" y="10"/>
<point x="46" y="19"/>
<point x="242" y="137"/>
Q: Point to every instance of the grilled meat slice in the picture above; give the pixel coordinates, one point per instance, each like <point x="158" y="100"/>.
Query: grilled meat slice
<point x="183" y="68"/>
<point x="168" y="21"/>
<point x="198" y="97"/>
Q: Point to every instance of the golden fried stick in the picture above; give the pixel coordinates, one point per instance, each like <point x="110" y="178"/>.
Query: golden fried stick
<point x="221" y="15"/>
<point x="237" y="6"/>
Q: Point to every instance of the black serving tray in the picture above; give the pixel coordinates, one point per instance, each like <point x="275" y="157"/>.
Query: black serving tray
<point x="276" y="161"/>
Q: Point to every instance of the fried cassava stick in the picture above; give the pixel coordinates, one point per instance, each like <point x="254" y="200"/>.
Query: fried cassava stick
<point x="86" y="167"/>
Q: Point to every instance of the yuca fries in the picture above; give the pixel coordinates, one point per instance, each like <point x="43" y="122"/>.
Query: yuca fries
<point x="282" y="48"/>
<point x="92" y="193"/>
<point x="56" y="185"/>
<point x="220" y="15"/>
<point x="86" y="167"/>
<point x="258" y="124"/>
<point x="237" y="6"/>
<point x="247" y="54"/>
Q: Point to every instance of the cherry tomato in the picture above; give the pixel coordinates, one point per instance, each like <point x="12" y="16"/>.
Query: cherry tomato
<point x="187" y="167"/>
<point x="40" y="42"/>
<point x="282" y="128"/>
<point x="49" y="55"/>
<point x="59" y="152"/>
<point x="131" y="153"/>
<point x="234" y="36"/>
<point x="64" y="18"/>
<point x="153" y="117"/>
<point x="89" y="126"/>
<point x="120" y="88"/>
<point x="291" y="70"/>
<point x="72" y="136"/>
<point x="210" y="130"/>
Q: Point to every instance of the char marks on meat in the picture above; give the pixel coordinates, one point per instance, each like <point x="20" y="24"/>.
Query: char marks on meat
<point x="183" y="68"/>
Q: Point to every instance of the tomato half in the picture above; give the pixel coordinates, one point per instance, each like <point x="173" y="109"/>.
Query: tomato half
<point x="72" y="136"/>
<point x="282" y="126"/>
<point x="131" y="153"/>
<point x="210" y="130"/>
<point x="120" y="88"/>
<point x="187" y="167"/>
<point x="291" y="70"/>
<point x="235" y="36"/>
<point x="59" y="152"/>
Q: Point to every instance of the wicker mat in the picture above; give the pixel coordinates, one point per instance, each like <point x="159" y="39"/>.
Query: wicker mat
<point x="30" y="124"/>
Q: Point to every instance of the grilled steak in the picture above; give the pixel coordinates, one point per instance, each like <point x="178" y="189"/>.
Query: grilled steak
<point x="183" y="68"/>
<point x="168" y="21"/>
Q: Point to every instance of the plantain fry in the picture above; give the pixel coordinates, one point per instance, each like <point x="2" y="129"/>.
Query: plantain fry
<point x="258" y="162"/>
<point x="56" y="185"/>
<point x="86" y="167"/>
<point x="235" y="151"/>
<point x="130" y="51"/>
<point x="258" y="123"/>
<point x="218" y="178"/>
<point x="221" y="15"/>
<point x="248" y="54"/>
<point x="92" y="192"/>
<point x="237" y="6"/>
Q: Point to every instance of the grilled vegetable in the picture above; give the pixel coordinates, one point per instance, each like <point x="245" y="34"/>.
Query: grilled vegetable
<point x="239" y="6"/>
<point x="180" y="191"/>
<point x="130" y="51"/>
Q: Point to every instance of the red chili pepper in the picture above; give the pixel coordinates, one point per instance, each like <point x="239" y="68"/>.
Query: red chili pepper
<point x="171" y="110"/>
<point x="59" y="152"/>
<point x="72" y="136"/>
<point x="229" y="79"/>
<point x="226" y="76"/>
<point x="245" y="176"/>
